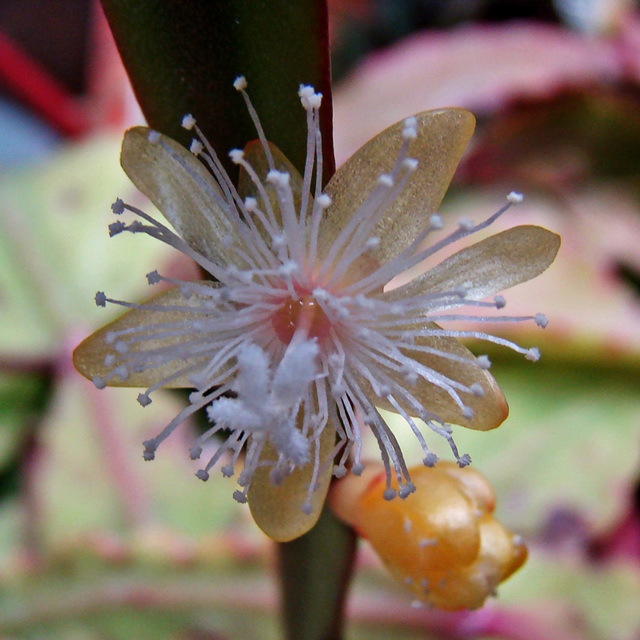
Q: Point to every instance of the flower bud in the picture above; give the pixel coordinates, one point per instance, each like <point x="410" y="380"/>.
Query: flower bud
<point x="441" y="541"/>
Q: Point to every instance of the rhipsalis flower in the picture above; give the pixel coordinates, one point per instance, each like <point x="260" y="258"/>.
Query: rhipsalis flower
<point x="442" y="542"/>
<point x="295" y="344"/>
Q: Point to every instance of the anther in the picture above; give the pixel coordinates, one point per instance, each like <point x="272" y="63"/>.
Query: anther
<point x="385" y="180"/>
<point x="533" y="354"/>
<point x="410" y="123"/>
<point x="121" y="347"/>
<point x="324" y="201"/>
<point x="153" y="277"/>
<point x="464" y="461"/>
<point x="278" y="178"/>
<point x="240" y="496"/>
<point x="466" y="224"/>
<point x="389" y="494"/>
<point x="203" y="475"/>
<point x="188" y="122"/>
<point x="196" y="147"/>
<point x="116" y="227"/>
<point x="240" y="83"/>
<point x="483" y="362"/>
<point x="500" y="302"/>
<point x="227" y="470"/>
<point x="305" y="91"/>
<point x="410" y="164"/>
<point x="118" y="207"/>
<point x="409" y="133"/>
<point x="150" y="447"/>
<point x="339" y="471"/>
<point x="436" y="222"/>
<point x="101" y="299"/>
<point x="122" y="372"/>
<point x="541" y="320"/>
<point x="236" y="155"/>
<point x="153" y="136"/>
<point x="407" y="490"/>
<point x="98" y="382"/>
<point x="477" y="390"/>
<point x="430" y="459"/>
<point x="515" y="198"/>
<point x="143" y="400"/>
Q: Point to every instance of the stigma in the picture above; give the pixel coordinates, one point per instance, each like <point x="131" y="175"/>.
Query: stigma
<point x="303" y="315"/>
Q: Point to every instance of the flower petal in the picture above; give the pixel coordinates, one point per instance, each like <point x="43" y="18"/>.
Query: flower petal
<point x="489" y="266"/>
<point x="180" y="186"/>
<point x="89" y="356"/>
<point x="277" y="509"/>
<point x="442" y="137"/>
<point x="489" y="410"/>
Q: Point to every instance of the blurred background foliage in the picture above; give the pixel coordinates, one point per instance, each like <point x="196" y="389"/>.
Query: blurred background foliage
<point x="95" y="544"/>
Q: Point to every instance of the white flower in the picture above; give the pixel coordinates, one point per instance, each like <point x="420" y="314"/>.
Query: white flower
<point x="295" y="345"/>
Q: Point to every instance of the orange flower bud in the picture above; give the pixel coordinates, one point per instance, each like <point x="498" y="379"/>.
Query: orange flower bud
<point x="441" y="541"/>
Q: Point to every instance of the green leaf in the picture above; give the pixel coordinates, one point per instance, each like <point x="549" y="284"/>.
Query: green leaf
<point x="92" y="455"/>
<point x="182" y="57"/>
<point x="601" y="599"/>
<point x="55" y="249"/>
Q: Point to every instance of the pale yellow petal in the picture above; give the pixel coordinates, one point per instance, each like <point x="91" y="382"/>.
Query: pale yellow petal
<point x="277" y="509"/>
<point x="442" y="137"/>
<point x="497" y="263"/>
<point x="89" y="356"/>
<point x="182" y="189"/>
<point x="489" y="410"/>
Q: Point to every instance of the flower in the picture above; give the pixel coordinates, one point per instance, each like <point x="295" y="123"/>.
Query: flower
<point x="442" y="542"/>
<point x="295" y="344"/>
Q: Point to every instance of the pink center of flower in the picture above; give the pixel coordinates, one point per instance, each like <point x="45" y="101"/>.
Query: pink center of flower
<point x="305" y="314"/>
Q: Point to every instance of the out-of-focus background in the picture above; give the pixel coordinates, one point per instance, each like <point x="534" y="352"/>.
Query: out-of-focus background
<point x="96" y="544"/>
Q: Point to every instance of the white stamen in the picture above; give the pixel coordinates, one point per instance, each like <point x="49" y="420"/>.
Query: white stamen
<point x="188" y="122"/>
<point x="280" y="348"/>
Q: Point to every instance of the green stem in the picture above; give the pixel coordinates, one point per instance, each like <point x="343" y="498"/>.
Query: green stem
<point x="315" y="570"/>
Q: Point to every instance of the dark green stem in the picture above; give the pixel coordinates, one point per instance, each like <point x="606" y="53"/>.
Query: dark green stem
<point x="182" y="57"/>
<point x="315" y="571"/>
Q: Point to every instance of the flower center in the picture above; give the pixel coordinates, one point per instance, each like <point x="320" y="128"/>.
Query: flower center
<point x="304" y="314"/>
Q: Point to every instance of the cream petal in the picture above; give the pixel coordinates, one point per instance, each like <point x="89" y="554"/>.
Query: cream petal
<point x="442" y="137"/>
<point x="277" y="509"/>
<point x="89" y="356"/>
<point x="489" y="410"/>
<point x="499" y="262"/>
<point x="182" y="188"/>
